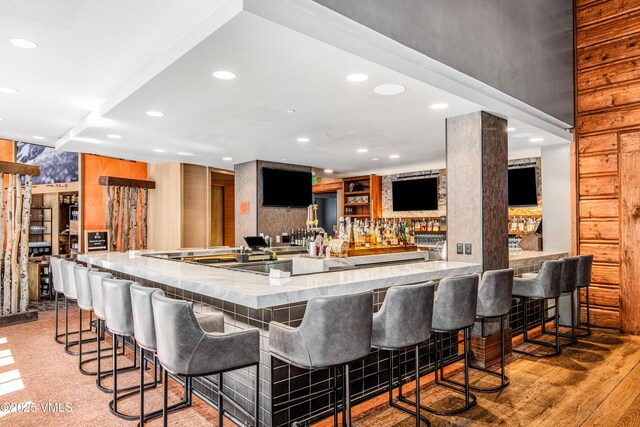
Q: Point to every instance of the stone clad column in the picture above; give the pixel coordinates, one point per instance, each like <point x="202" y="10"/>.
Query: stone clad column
<point x="477" y="213"/>
<point x="477" y="206"/>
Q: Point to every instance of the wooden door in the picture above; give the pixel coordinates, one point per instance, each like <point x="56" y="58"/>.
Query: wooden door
<point x="217" y="215"/>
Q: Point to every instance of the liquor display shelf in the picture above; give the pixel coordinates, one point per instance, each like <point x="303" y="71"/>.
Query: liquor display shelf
<point x="362" y="196"/>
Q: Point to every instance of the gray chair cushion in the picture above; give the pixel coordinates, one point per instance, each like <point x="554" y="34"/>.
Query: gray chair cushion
<point x="83" y="287"/>
<point x="494" y="293"/>
<point x="117" y="306"/>
<point x="69" y="279"/>
<point x="95" y="280"/>
<point x="584" y="270"/>
<point x="56" y="274"/>
<point x="455" y="303"/>
<point x="545" y="285"/>
<point x="184" y="348"/>
<point x="569" y="276"/>
<point x="142" y="308"/>
<point x="334" y="330"/>
<point x="405" y="317"/>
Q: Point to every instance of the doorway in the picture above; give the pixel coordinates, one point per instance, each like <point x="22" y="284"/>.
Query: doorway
<point x="222" y="209"/>
<point x="327" y="211"/>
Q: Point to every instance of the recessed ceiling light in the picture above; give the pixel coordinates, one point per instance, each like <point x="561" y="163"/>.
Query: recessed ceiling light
<point x="8" y="90"/>
<point x="114" y="136"/>
<point x="357" y="77"/>
<point x="26" y="44"/>
<point x="389" y="89"/>
<point x="375" y="159"/>
<point x="394" y="156"/>
<point x="1" y="119"/>
<point x="38" y="137"/>
<point x="290" y="111"/>
<point x="227" y="159"/>
<point x="522" y="135"/>
<point x="155" y="113"/>
<point x="224" y="75"/>
<point x="284" y="160"/>
<point x="536" y="139"/>
<point x="328" y="171"/>
<point x="510" y="129"/>
<point x="185" y="153"/>
<point x="362" y="150"/>
<point x="303" y="139"/>
<point x="159" y="150"/>
<point x="439" y="106"/>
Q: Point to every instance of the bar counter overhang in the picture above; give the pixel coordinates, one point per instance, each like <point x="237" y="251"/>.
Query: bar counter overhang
<point x="251" y="300"/>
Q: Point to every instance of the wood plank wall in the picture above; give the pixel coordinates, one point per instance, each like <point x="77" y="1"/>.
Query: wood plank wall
<point x="608" y="164"/>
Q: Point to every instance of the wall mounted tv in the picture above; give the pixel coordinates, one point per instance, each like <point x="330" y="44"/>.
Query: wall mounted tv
<point x="415" y="194"/>
<point x="523" y="187"/>
<point x="286" y="188"/>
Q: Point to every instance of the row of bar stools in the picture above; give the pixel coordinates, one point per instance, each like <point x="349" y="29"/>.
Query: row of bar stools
<point x="334" y="331"/>
<point x="568" y="285"/>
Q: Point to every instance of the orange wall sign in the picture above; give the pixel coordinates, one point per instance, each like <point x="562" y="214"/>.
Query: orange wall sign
<point x="244" y="208"/>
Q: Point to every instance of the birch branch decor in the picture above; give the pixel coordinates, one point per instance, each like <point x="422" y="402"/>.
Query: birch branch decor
<point x="15" y="219"/>
<point x="127" y="206"/>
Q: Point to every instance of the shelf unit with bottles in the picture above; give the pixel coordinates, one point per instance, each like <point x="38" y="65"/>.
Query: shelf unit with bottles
<point x="362" y="196"/>
<point x="40" y="231"/>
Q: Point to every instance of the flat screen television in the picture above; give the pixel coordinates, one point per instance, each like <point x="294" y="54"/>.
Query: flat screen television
<point x="523" y="187"/>
<point x="415" y="195"/>
<point x="285" y="188"/>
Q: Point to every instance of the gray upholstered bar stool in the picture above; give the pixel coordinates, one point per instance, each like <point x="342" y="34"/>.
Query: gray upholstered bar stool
<point x="568" y="285"/>
<point x="454" y="310"/>
<point x="494" y="302"/>
<point x="145" y="336"/>
<point x="584" y="281"/>
<point x="186" y="348"/>
<point x="70" y="294"/>
<point x="95" y="280"/>
<point x="334" y="331"/>
<point x="404" y="320"/>
<point x="56" y="272"/>
<point x="84" y="301"/>
<point x="118" y="312"/>
<point x="545" y="286"/>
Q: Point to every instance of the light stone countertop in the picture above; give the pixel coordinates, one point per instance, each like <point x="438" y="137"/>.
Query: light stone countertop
<point x="259" y="291"/>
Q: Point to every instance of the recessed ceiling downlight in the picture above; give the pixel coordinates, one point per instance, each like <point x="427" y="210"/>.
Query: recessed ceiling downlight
<point x="155" y="113"/>
<point x="389" y="89"/>
<point x="362" y="150"/>
<point x="8" y="90"/>
<point x="522" y="135"/>
<point x="227" y="159"/>
<point x="224" y="75"/>
<point x="114" y="136"/>
<point x="185" y="153"/>
<point x="394" y="156"/>
<point x="290" y="111"/>
<point x="328" y="171"/>
<point x="25" y="44"/>
<point x="303" y="139"/>
<point x="1" y="119"/>
<point x="159" y="150"/>
<point x="536" y="139"/>
<point x="375" y="159"/>
<point x="38" y="137"/>
<point x="510" y="129"/>
<point x="357" y="77"/>
<point x="439" y="106"/>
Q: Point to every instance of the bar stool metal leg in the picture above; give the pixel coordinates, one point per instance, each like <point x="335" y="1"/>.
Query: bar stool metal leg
<point x="555" y="346"/>
<point x="58" y="335"/>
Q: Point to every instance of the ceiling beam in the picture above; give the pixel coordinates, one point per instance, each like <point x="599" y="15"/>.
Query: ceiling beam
<point x="126" y="182"/>
<point x="19" y="168"/>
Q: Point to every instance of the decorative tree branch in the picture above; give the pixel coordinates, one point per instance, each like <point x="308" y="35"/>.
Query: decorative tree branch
<point x="24" y="244"/>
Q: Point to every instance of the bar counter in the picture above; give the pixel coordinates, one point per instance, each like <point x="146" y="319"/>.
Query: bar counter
<point x="251" y="300"/>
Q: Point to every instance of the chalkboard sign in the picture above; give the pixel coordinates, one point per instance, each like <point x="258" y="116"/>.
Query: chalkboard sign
<point x="97" y="240"/>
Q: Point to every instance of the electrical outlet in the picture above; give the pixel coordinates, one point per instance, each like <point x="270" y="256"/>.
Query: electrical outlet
<point x="459" y="248"/>
<point x="467" y="248"/>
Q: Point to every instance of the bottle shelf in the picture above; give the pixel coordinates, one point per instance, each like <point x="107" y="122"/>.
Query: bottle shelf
<point x="355" y="193"/>
<point x="357" y="204"/>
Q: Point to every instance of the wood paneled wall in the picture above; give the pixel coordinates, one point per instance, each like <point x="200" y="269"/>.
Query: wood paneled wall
<point x="608" y="159"/>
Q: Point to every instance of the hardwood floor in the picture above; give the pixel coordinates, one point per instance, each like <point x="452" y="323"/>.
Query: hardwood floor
<point x="595" y="383"/>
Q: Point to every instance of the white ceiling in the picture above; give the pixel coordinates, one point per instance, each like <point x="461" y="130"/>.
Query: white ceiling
<point x="246" y="118"/>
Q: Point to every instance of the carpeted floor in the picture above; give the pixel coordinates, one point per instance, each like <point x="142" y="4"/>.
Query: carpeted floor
<point x="46" y="388"/>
